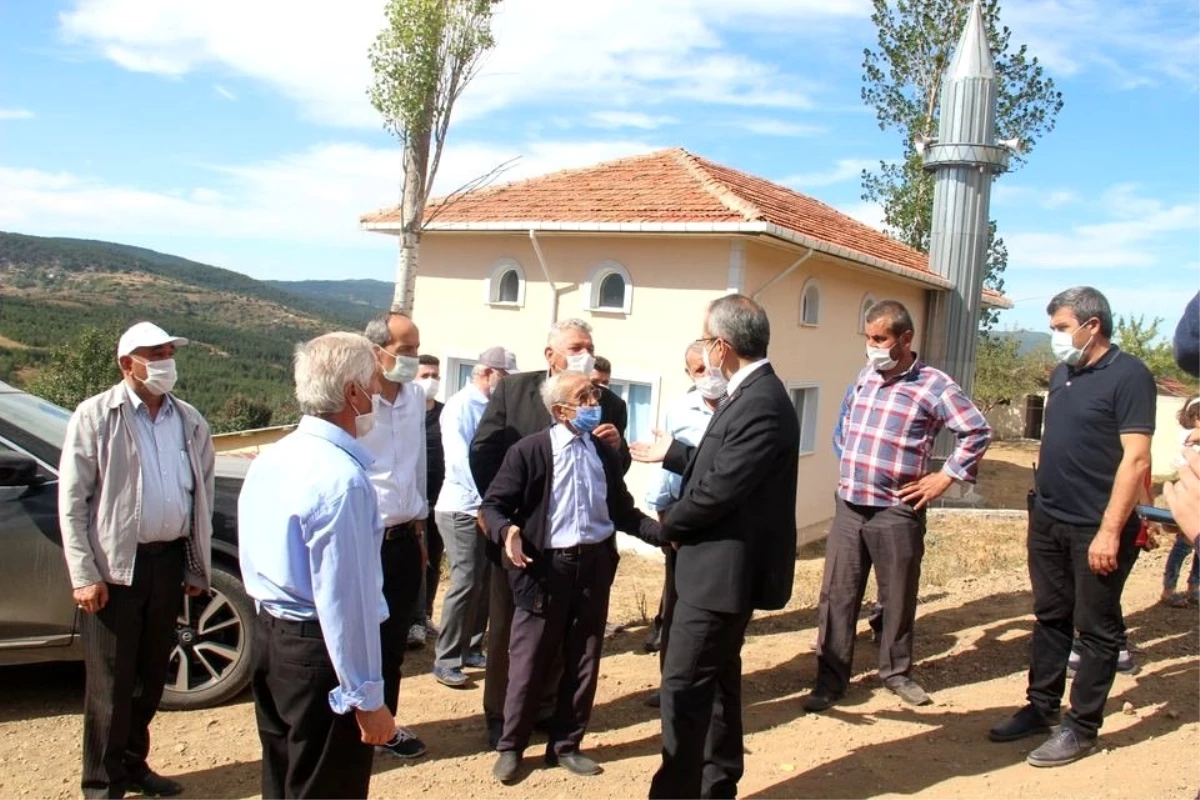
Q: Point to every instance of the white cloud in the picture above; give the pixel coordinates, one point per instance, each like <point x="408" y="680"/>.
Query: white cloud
<point x="865" y="212"/>
<point x="628" y="119"/>
<point x="1139" y="231"/>
<point x="844" y="169"/>
<point x="779" y="127"/>
<point x="1049" y="199"/>
<point x="15" y="113"/>
<point x="625" y="51"/>
<point x="221" y="90"/>
<point x="313" y="196"/>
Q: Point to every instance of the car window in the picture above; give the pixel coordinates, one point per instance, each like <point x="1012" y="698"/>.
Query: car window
<point x="32" y="424"/>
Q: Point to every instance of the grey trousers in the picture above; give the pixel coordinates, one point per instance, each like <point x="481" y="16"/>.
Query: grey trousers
<point x="465" y="602"/>
<point x="893" y="540"/>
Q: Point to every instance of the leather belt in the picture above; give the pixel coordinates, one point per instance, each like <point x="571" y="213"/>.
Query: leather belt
<point x="157" y="548"/>
<point x="306" y="628"/>
<point x="396" y="531"/>
<point x="577" y="549"/>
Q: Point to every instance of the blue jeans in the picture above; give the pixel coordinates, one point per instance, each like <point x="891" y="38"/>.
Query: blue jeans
<point x="1174" y="566"/>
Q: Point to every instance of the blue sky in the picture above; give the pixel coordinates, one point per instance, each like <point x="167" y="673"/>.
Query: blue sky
<point x="239" y="134"/>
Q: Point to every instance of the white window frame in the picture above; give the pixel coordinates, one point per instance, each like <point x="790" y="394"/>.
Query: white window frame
<point x="811" y="283"/>
<point x="796" y="386"/>
<point x="868" y="300"/>
<point x="651" y="379"/>
<point x="596" y="279"/>
<point x="451" y="363"/>
<point x="491" y="286"/>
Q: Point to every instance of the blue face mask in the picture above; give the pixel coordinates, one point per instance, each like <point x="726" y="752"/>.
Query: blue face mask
<point x="586" y="419"/>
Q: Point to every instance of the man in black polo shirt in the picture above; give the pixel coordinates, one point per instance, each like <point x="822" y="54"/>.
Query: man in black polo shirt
<point x="1095" y="454"/>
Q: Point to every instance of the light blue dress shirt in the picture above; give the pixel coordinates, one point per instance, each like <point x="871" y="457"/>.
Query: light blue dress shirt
<point x="460" y="417"/>
<point x="309" y="535"/>
<point x="167" y="480"/>
<point x="686" y="420"/>
<point x="578" y="491"/>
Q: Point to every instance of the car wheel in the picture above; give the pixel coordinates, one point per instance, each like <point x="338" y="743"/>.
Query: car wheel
<point x="211" y="660"/>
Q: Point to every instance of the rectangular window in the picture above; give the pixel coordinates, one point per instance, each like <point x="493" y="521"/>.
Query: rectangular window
<point x="457" y="374"/>
<point x="637" y="397"/>
<point x="805" y="398"/>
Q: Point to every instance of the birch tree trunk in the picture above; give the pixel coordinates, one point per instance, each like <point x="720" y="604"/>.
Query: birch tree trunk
<point x="412" y="212"/>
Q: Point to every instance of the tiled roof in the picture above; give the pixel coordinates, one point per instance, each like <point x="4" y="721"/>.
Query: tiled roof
<point x="667" y="187"/>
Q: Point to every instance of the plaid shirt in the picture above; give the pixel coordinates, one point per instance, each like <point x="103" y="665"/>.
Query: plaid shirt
<point x="886" y="428"/>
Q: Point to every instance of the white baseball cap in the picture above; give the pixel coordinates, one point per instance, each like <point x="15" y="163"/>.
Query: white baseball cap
<point x="145" y="334"/>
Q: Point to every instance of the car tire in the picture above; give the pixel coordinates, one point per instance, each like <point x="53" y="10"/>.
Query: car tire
<point x="215" y="637"/>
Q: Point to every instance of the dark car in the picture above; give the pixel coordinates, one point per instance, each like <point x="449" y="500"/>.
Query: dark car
<point x="38" y="617"/>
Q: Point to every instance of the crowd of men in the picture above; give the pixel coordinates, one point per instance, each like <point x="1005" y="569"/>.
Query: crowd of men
<point x="519" y="478"/>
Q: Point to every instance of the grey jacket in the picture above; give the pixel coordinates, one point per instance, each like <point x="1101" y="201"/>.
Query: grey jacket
<point x="100" y="491"/>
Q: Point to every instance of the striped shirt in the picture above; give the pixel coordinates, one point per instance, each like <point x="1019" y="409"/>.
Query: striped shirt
<point x="887" y="427"/>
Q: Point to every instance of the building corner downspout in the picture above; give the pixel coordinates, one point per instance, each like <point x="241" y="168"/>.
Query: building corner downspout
<point x="541" y="257"/>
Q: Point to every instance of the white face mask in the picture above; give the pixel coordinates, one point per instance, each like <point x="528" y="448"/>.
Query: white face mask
<point x="404" y="370"/>
<point x="1063" y="346"/>
<point x="160" y="375"/>
<point x="881" y="358"/>
<point x="709" y="368"/>
<point x="430" y="385"/>
<point x="711" y="386"/>
<point x="581" y="362"/>
<point x="364" y="422"/>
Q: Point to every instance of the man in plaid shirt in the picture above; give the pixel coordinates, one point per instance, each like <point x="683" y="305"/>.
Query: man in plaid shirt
<point x="884" y="439"/>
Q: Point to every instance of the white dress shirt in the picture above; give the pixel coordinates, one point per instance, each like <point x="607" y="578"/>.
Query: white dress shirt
<point x="740" y="376"/>
<point x="397" y="445"/>
<point x="459" y="419"/>
<point x="578" y="491"/>
<point x="167" y="480"/>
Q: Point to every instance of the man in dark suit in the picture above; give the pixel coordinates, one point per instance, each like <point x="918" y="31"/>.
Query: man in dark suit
<point x="735" y="530"/>
<point x="514" y="411"/>
<point x="555" y="506"/>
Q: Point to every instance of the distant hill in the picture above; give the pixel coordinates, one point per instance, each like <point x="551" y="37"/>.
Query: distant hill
<point x="243" y="331"/>
<point x="360" y="299"/>
<point x="1029" y="341"/>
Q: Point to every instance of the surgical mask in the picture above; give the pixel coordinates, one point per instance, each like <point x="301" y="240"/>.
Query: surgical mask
<point x="430" y="385"/>
<point x="710" y="386"/>
<point x="1063" y="346"/>
<point x="711" y="371"/>
<point x="581" y="362"/>
<point x="586" y="418"/>
<point x="364" y="421"/>
<point x="881" y="358"/>
<point x="404" y="370"/>
<point x="160" y="375"/>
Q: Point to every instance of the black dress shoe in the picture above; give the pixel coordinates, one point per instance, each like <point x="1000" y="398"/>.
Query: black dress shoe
<point x="574" y="761"/>
<point x="506" y="766"/>
<point x="153" y="785"/>
<point x="1026" y="722"/>
<point x="1063" y="747"/>
<point x="821" y="699"/>
<point x="655" y="699"/>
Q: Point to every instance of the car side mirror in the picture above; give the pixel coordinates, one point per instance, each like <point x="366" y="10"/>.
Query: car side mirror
<point x="17" y="469"/>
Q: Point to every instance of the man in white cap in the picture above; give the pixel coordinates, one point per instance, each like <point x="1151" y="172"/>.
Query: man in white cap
<point x="135" y="506"/>
<point x="465" y="604"/>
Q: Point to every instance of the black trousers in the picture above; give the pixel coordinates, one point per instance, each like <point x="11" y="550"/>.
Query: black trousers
<point x="570" y="631"/>
<point x="126" y="647"/>
<point x="401" y="558"/>
<point x="666" y="606"/>
<point x="892" y="539"/>
<point x="701" y="705"/>
<point x="307" y="750"/>
<point x="1067" y="596"/>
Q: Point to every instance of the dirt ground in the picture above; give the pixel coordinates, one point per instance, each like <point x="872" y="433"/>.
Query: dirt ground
<point x="972" y="648"/>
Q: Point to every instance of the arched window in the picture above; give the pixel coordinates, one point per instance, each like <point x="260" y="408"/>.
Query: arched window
<point x="610" y="288"/>
<point x="506" y="284"/>
<point x="867" y="302"/>
<point x="810" y="303"/>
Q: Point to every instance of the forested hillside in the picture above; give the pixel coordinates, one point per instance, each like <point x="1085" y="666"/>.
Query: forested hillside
<point x="243" y="331"/>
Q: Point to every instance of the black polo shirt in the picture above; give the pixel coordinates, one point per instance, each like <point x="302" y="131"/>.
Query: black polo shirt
<point x="1087" y="411"/>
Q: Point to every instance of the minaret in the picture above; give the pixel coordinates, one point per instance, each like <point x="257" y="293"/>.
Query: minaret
<point x="963" y="159"/>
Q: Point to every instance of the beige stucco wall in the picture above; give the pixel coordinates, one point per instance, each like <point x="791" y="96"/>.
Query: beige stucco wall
<point x="673" y="279"/>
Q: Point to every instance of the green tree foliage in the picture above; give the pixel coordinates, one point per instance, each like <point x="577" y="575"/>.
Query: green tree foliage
<point x="1136" y="337"/>
<point x="241" y="413"/>
<point x="1003" y="374"/>
<point x="902" y="79"/>
<point x="80" y="368"/>
<point x="422" y="60"/>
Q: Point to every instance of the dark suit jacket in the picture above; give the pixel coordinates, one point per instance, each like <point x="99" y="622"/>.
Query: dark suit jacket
<point x="515" y="411"/>
<point x="519" y="495"/>
<point x="736" y="517"/>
